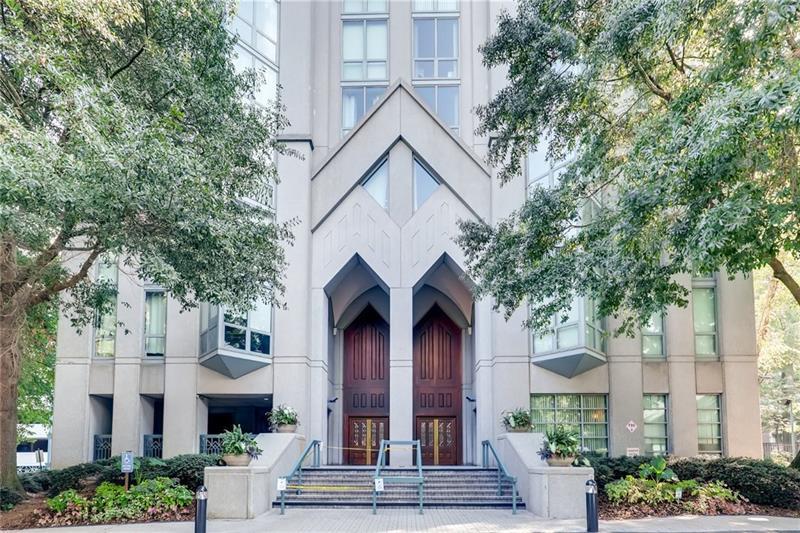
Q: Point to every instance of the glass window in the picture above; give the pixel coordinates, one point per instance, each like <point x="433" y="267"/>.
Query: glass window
<point x="105" y="332"/>
<point x="709" y="424"/>
<point x="155" y="323"/>
<point x="356" y="101"/>
<point x="443" y="100"/>
<point x="541" y="174"/>
<point x="653" y="338"/>
<point x="249" y="332"/>
<point x="424" y="184"/>
<point x="435" y="48"/>
<point x="377" y="184"/>
<point x="704" y="311"/>
<point x="656" y="424"/>
<point x="585" y="413"/>
<point x="364" y="48"/>
<point x="256" y="24"/>
<point x="430" y="6"/>
<point x="364" y="6"/>
<point x="566" y="332"/>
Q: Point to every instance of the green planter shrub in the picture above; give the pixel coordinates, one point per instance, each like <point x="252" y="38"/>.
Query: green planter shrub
<point x="188" y="469"/>
<point x="9" y="498"/>
<point x="761" y="482"/>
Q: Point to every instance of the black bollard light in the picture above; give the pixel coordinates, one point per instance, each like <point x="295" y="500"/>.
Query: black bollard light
<point x="201" y="497"/>
<point x="591" y="507"/>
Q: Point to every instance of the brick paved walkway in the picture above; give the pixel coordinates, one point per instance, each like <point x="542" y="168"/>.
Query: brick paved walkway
<point x="441" y="521"/>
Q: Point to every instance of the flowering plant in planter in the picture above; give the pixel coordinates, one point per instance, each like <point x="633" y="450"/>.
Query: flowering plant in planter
<point x="239" y="448"/>
<point x="517" y="420"/>
<point x="560" y="447"/>
<point x="283" y="418"/>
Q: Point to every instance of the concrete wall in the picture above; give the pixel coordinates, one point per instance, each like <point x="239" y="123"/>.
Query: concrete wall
<point x="336" y="221"/>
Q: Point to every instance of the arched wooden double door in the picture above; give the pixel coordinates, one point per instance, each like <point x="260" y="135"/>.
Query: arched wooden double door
<point x="437" y="388"/>
<point x="366" y="387"/>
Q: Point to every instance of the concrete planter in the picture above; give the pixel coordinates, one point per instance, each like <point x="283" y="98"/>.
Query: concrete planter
<point x="286" y="428"/>
<point x="236" y="460"/>
<point x="560" y="461"/>
<point x="519" y="430"/>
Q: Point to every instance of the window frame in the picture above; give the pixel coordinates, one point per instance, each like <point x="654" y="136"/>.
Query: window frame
<point x="367" y="108"/>
<point x="372" y="172"/>
<point x="431" y="173"/>
<point x="98" y="317"/>
<point x="581" y="321"/>
<point x="145" y="336"/>
<point x="582" y="409"/>
<point x="719" y="423"/>
<point x="645" y="333"/>
<point x="364" y="20"/>
<point x="666" y="424"/>
<point x="436" y="17"/>
<point x="364" y="10"/>
<point x="706" y="282"/>
<point x="435" y="85"/>
<point x="248" y="331"/>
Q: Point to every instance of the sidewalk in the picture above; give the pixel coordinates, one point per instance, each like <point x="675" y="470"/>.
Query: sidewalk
<point x="442" y="521"/>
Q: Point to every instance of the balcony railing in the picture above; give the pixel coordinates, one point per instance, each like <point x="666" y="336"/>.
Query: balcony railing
<point x="153" y="445"/>
<point x="102" y="447"/>
<point x="211" y="444"/>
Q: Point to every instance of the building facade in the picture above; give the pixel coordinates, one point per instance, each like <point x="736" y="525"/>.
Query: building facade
<point x="381" y="336"/>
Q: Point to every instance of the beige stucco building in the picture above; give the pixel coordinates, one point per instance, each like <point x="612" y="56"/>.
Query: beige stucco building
<point x="381" y="336"/>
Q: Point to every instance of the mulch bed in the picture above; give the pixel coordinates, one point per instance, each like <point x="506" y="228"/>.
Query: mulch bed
<point x="609" y="511"/>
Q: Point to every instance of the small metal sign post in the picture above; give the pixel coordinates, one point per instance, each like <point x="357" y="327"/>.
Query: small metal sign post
<point x="126" y="466"/>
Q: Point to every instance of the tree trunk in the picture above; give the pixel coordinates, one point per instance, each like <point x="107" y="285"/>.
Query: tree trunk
<point x="11" y="325"/>
<point x="780" y="272"/>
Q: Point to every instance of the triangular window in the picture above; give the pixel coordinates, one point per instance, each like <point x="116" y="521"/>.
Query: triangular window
<point x="424" y="184"/>
<point x="377" y="184"/>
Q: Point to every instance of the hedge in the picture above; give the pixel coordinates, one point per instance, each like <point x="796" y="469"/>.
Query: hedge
<point x="186" y="469"/>
<point x="9" y="498"/>
<point x="760" y="481"/>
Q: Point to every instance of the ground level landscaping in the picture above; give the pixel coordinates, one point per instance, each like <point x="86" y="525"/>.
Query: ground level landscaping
<point x="93" y="493"/>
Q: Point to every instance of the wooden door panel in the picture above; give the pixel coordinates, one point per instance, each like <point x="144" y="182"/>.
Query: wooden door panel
<point x="437" y="388"/>
<point x="439" y="440"/>
<point x="364" y="439"/>
<point x="366" y="386"/>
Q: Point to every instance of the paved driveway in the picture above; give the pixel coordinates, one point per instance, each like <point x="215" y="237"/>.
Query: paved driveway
<point x="442" y="521"/>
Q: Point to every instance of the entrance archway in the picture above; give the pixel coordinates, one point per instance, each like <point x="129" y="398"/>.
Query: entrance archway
<point x="437" y="388"/>
<point x="365" y="387"/>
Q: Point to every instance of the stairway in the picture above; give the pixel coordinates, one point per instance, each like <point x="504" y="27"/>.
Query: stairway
<point x="456" y="487"/>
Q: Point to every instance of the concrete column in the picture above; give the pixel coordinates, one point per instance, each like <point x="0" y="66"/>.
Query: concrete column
<point x="73" y="442"/>
<point x="682" y="379"/>
<point x="401" y="372"/>
<point x="126" y="430"/>
<point x="318" y="369"/>
<point x="482" y="333"/>
<point x="625" y="392"/>
<point x="296" y="326"/>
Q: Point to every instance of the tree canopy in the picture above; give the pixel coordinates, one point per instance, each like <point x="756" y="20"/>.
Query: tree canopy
<point x="126" y="132"/>
<point x="680" y="119"/>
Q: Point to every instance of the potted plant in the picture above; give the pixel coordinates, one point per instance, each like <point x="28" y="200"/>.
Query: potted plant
<point x="283" y="419"/>
<point x="517" y="421"/>
<point x="239" y="448"/>
<point x="560" y="447"/>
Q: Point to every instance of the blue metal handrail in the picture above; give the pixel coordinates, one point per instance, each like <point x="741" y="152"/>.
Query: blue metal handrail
<point x="502" y="473"/>
<point x="297" y="469"/>
<point x="419" y="480"/>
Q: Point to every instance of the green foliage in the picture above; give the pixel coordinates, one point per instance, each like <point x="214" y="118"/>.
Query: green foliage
<point x="283" y="415"/>
<point x="235" y="442"/>
<point x="9" y="498"/>
<point x="657" y="470"/>
<point x="560" y="442"/>
<point x="112" y="502"/>
<point x="37" y="372"/>
<point x="680" y="119"/>
<point x="517" y="418"/>
<point x="759" y="481"/>
<point x="72" y="477"/>
<point x="188" y="469"/>
<point x="36" y="482"/>
<point x="68" y="499"/>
